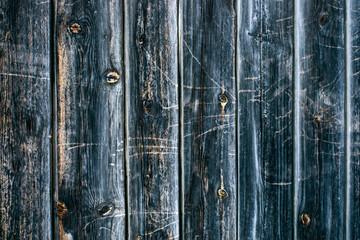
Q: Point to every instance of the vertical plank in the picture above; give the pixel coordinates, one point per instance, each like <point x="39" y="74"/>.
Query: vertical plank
<point x="25" y="120"/>
<point x="319" y="82"/>
<point x="352" y="110"/>
<point x="152" y="114"/>
<point x="276" y="118"/>
<point x="90" y="116"/>
<point x="249" y="112"/>
<point x="209" y="100"/>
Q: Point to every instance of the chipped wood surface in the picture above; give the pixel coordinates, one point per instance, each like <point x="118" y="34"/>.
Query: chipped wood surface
<point x="179" y="119"/>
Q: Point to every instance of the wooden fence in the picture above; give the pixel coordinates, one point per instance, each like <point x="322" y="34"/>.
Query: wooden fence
<point x="180" y="119"/>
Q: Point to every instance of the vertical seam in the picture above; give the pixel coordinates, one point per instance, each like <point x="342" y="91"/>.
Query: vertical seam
<point x="53" y="110"/>
<point x="347" y="116"/>
<point x="125" y="74"/>
<point x="180" y="120"/>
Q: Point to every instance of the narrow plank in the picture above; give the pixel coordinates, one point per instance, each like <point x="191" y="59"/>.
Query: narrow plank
<point x="152" y="114"/>
<point x="209" y="100"/>
<point x="320" y="123"/>
<point x="25" y="123"/>
<point x="276" y="118"/>
<point x="249" y="112"/>
<point x="90" y="116"/>
<point x="352" y="110"/>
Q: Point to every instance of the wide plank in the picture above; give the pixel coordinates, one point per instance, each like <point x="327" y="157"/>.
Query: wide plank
<point x="25" y="122"/>
<point x="90" y="120"/>
<point x="250" y="187"/>
<point x="151" y="65"/>
<point x="276" y="118"/>
<point x="209" y="103"/>
<point x="319" y="119"/>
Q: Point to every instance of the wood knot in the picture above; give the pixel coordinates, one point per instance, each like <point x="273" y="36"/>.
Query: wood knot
<point x="75" y="28"/>
<point x="305" y="219"/>
<point x="223" y="193"/>
<point x="148" y="107"/>
<point x="142" y="39"/>
<point x="61" y="209"/>
<point x="112" y="77"/>
<point x="105" y="209"/>
<point x="324" y="19"/>
<point x="223" y="100"/>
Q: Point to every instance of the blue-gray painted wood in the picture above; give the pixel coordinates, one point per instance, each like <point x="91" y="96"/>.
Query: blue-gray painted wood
<point x="249" y="132"/>
<point x="180" y="119"/>
<point x="352" y="119"/>
<point x="319" y="84"/>
<point x="209" y="101"/>
<point x="151" y="67"/>
<point x="90" y="120"/>
<point x="25" y="120"/>
<point x="276" y="100"/>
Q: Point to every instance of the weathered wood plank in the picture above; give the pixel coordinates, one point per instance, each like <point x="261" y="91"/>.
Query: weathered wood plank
<point x="209" y="98"/>
<point x="152" y="115"/>
<point x="319" y="84"/>
<point x="25" y="121"/>
<point x="276" y="118"/>
<point x="249" y="112"/>
<point x="352" y="119"/>
<point x="90" y="116"/>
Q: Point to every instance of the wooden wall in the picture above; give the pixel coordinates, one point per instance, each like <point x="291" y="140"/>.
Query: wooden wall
<point x="179" y="119"/>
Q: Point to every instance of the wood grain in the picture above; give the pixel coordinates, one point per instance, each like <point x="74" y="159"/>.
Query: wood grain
<point x="276" y="118"/>
<point x="90" y="120"/>
<point x="209" y="99"/>
<point x="25" y="121"/>
<point x="250" y="187"/>
<point x="352" y="120"/>
<point x="152" y="119"/>
<point x="319" y="79"/>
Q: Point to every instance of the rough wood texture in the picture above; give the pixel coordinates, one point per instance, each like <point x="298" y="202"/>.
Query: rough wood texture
<point x="25" y="120"/>
<point x="209" y="101"/>
<point x="352" y="119"/>
<point x="320" y="78"/>
<point x="152" y="116"/>
<point x="90" y="128"/>
<point x="276" y="118"/>
<point x="249" y="138"/>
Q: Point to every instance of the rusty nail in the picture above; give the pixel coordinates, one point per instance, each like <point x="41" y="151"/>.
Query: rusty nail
<point x="112" y="77"/>
<point x="75" y="28"/>
<point x="305" y="219"/>
<point x="61" y="209"/>
<point x="223" y="193"/>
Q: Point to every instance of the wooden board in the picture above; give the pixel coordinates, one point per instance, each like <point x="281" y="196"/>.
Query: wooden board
<point x="90" y="120"/>
<point x="352" y="122"/>
<point x="209" y="101"/>
<point x="152" y="119"/>
<point x="249" y="121"/>
<point x="319" y="121"/>
<point x="276" y="104"/>
<point x="25" y="122"/>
